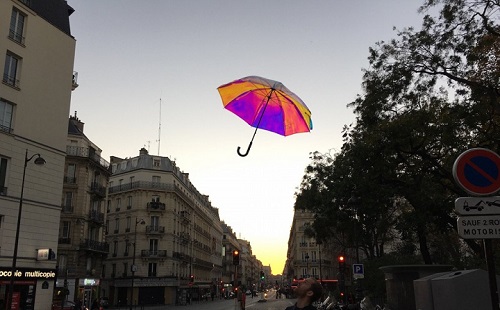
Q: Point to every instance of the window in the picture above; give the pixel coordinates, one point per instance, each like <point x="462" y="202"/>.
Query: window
<point x="152" y="270"/>
<point x="155" y="220"/>
<point x="153" y="247"/>
<point x="127" y="247"/>
<point x="88" y="267"/>
<point x="95" y="207"/>
<point x="115" y="248"/>
<point x="106" y="228"/>
<point x="63" y="263"/>
<point x="3" y="174"/>
<point x="125" y="268"/>
<point x="68" y="202"/>
<point x="11" y="69"/>
<point x="129" y="202"/>
<point x="70" y="174"/>
<point x="65" y="229"/>
<point x="6" y="115"/>
<point x="113" y="270"/>
<point x="118" y="204"/>
<point x="117" y="225"/>
<point x="17" y="26"/>
<point x="129" y="223"/>
<point x="156" y="162"/>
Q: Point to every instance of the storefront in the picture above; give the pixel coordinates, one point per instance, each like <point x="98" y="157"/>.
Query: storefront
<point x="31" y="286"/>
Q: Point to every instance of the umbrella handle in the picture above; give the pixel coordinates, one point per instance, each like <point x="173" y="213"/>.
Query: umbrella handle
<point x="246" y="153"/>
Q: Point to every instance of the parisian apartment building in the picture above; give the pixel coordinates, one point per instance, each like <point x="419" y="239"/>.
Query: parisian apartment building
<point x="82" y="248"/>
<point x="165" y="237"/>
<point x="307" y="258"/>
<point x="37" y="51"/>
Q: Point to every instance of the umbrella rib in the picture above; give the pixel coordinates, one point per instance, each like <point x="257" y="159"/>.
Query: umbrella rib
<point x="262" y="114"/>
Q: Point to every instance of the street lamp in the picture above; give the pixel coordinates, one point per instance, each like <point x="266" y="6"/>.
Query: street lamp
<point x="319" y="251"/>
<point x="38" y="161"/>
<point x="307" y="265"/>
<point x="133" y="268"/>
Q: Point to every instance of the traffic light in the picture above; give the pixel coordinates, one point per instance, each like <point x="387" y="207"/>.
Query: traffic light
<point x="236" y="257"/>
<point x="262" y="276"/>
<point x="341" y="260"/>
<point x="191" y="278"/>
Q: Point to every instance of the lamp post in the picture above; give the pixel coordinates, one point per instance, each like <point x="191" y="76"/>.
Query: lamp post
<point x="319" y="252"/>
<point x="307" y="265"/>
<point x="38" y="161"/>
<point x="133" y="268"/>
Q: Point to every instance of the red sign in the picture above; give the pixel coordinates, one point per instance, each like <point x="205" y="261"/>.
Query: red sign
<point x="477" y="171"/>
<point x="16" y="297"/>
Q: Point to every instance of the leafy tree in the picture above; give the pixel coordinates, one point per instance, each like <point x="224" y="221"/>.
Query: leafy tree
<point x="428" y="96"/>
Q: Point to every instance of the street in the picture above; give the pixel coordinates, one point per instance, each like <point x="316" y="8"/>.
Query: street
<point x="271" y="303"/>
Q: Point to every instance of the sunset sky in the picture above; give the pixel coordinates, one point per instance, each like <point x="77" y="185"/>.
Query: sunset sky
<point x="149" y="70"/>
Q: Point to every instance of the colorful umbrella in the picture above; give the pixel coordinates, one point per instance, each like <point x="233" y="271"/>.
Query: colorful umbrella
<point x="266" y="104"/>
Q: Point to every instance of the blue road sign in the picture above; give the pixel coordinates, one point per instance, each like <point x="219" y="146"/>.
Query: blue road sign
<point x="358" y="271"/>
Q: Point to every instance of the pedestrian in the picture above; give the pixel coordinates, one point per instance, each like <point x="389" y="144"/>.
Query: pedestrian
<point x="307" y="292"/>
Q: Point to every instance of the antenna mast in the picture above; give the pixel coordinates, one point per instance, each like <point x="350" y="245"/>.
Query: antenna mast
<point x="159" y="130"/>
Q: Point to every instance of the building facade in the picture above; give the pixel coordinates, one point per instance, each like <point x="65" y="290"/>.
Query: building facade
<point x="305" y="257"/>
<point x="82" y="248"/>
<point x="37" y="52"/>
<point x="165" y="237"/>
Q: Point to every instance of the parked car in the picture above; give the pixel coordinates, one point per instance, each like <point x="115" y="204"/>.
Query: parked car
<point x="104" y="302"/>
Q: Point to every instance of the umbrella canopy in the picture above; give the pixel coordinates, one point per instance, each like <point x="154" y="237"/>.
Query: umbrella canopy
<point x="266" y="104"/>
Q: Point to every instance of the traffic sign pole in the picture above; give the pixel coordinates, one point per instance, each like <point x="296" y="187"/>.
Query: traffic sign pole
<point x="477" y="171"/>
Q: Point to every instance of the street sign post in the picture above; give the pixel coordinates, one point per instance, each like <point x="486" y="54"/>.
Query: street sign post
<point x="358" y="271"/>
<point x="477" y="171"/>
<point x="477" y="205"/>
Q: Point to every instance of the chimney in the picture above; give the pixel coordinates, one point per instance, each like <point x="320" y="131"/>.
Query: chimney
<point x="77" y="122"/>
<point x="143" y="151"/>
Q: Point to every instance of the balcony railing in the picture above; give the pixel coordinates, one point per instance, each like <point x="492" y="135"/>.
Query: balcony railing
<point x="92" y="245"/>
<point x="5" y="128"/>
<point x="153" y="253"/>
<point x="155" y="229"/>
<point x="155" y="206"/>
<point x="98" y="189"/>
<point x="74" y="83"/>
<point x="11" y="80"/>
<point x="16" y="36"/>
<point x="84" y="152"/>
<point x="96" y="216"/>
<point x="183" y="257"/>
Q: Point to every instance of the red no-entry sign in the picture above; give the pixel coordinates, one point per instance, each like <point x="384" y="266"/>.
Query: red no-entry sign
<point x="477" y="171"/>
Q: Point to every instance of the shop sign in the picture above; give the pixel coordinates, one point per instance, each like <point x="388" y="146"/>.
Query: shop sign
<point x="88" y="282"/>
<point x="28" y="273"/>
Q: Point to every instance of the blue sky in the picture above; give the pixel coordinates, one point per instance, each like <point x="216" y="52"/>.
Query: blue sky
<point x="132" y="55"/>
